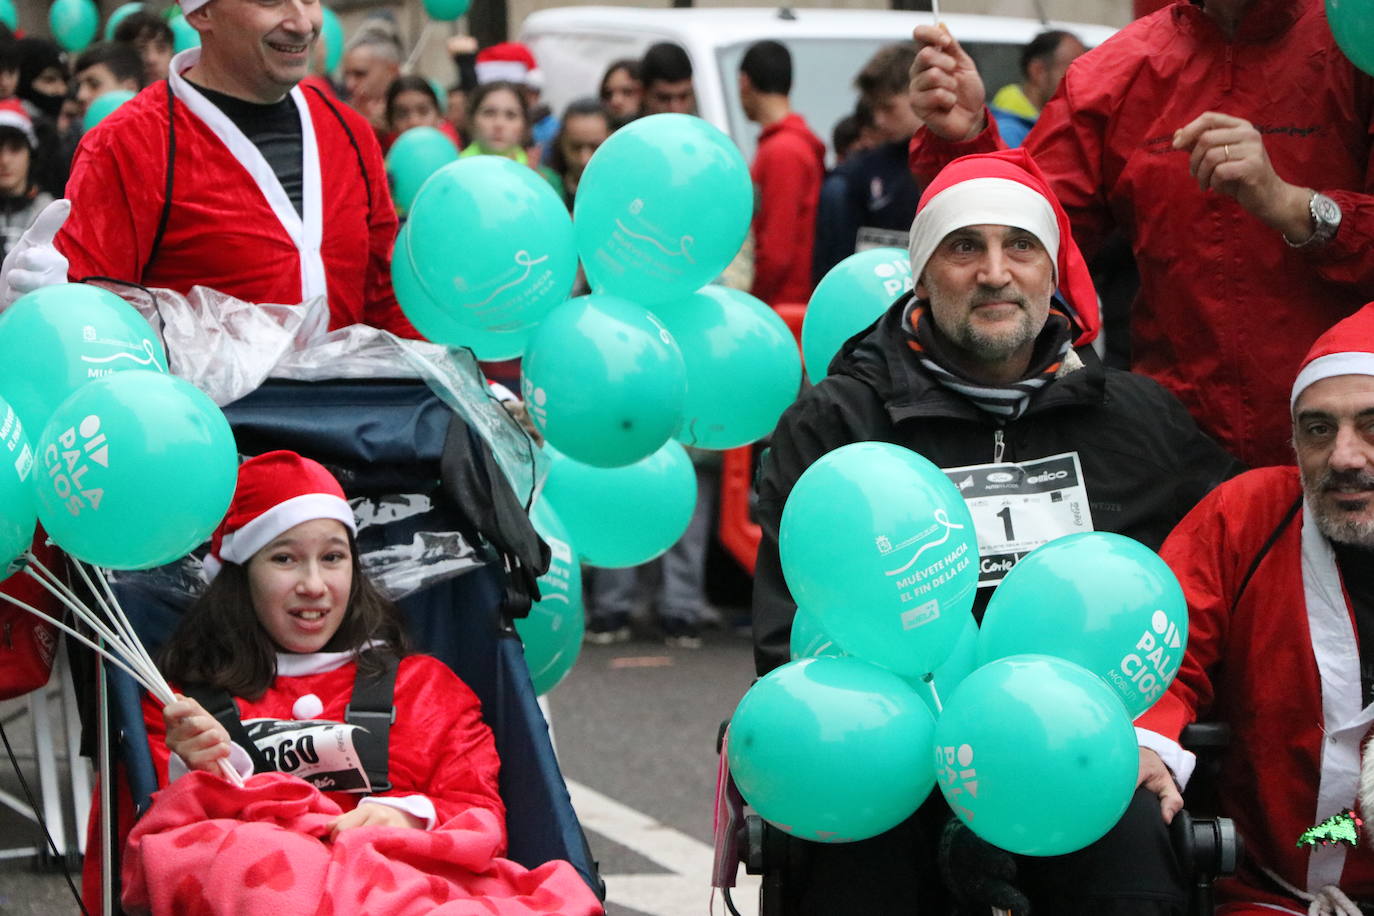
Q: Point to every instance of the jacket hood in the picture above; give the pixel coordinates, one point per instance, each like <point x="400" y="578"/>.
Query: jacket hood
<point x="795" y="125"/>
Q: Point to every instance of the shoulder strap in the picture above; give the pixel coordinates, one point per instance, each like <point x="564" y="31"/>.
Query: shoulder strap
<point x="167" y="187"/>
<point x="353" y="141"/>
<point x="221" y="705"/>
<point x="373" y="709"/>
<point x="1264" y="551"/>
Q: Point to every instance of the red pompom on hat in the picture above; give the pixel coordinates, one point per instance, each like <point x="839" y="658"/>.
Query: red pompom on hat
<point x="276" y="492"/>
<point x="510" y="61"/>
<point x="1007" y="188"/>
<point x="1346" y="349"/>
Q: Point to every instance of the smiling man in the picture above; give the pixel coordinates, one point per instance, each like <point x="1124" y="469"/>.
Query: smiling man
<point x="231" y="176"/>
<point x="1278" y="569"/>
<point x="987" y="370"/>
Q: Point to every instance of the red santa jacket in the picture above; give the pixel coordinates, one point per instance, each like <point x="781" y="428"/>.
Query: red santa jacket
<point x="1226" y="308"/>
<point x="787" y="172"/>
<point x="1282" y="668"/>
<point x="439" y="745"/>
<point x="231" y="226"/>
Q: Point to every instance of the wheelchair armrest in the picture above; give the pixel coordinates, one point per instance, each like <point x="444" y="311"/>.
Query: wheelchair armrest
<point x="1206" y="847"/>
<point x="1205" y="735"/>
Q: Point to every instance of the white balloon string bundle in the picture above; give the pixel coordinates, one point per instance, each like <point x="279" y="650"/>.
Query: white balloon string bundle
<point x="120" y="643"/>
<point x="419" y="46"/>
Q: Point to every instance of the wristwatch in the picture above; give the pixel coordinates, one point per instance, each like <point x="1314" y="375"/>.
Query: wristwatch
<point x="1326" y="219"/>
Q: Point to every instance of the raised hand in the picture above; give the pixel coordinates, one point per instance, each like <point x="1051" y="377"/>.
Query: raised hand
<point x="946" y="90"/>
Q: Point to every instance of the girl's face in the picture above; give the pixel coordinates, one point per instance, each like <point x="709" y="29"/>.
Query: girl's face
<point x="622" y="94"/>
<point x="498" y="122"/>
<point x="300" y="584"/>
<point x="582" y="134"/>
<point x="413" y="108"/>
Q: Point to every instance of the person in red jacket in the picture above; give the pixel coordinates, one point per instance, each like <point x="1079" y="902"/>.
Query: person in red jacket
<point x="231" y="176"/>
<point x="1246" y="199"/>
<point x="1278" y="569"/>
<point x="787" y="172"/>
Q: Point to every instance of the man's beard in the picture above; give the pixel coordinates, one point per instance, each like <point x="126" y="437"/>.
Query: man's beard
<point x="1335" y="524"/>
<point x="992" y="348"/>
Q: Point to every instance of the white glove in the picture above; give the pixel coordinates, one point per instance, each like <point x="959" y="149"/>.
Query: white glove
<point x="34" y="262"/>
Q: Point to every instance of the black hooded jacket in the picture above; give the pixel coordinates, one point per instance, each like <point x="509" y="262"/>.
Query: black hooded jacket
<point x="1145" y="462"/>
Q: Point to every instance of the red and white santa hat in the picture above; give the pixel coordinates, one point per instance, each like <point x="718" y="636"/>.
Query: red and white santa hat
<point x="276" y="492"/>
<point x="12" y="114"/>
<point x="510" y="61"/>
<point x="1347" y="348"/>
<point x="1006" y="188"/>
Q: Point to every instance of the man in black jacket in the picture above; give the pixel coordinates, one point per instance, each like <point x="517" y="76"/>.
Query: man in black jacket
<point x="986" y="370"/>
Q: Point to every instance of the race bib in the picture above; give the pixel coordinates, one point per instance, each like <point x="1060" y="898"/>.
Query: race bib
<point x="318" y="751"/>
<point x="1018" y="507"/>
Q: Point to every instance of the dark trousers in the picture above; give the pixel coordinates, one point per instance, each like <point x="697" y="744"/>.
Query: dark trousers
<point x="1132" y="871"/>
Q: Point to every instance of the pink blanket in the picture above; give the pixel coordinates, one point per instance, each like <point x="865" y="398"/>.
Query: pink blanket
<point x="206" y="848"/>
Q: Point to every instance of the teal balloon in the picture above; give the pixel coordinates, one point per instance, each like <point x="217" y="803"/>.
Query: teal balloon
<point x="848" y="299"/>
<point x="134" y="470"/>
<point x="332" y="34"/>
<point x="962" y="661"/>
<point x="103" y="105"/>
<point x="55" y="339"/>
<point x="119" y="15"/>
<point x="662" y="208"/>
<point x="1036" y="755"/>
<point x="184" y="35"/>
<point x="1100" y="600"/>
<point x="603" y="381"/>
<point x="743" y="368"/>
<point x="74" y="23"/>
<point x="491" y="240"/>
<point x="446" y="10"/>
<point x="619" y="517"/>
<point x="18" y="508"/>
<point x="1352" y="25"/>
<point x="809" y="639"/>
<point x="436" y="323"/>
<point x="9" y="15"/>
<point x="877" y="543"/>
<point x="552" y="633"/>
<point x="832" y="749"/>
<point x="416" y="154"/>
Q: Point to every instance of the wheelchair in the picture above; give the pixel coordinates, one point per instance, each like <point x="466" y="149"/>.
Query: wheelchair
<point x="1206" y="847"/>
<point x="386" y="442"/>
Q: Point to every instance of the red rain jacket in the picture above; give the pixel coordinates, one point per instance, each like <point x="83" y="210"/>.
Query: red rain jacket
<point x="787" y="173"/>
<point x="1226" y="308"/>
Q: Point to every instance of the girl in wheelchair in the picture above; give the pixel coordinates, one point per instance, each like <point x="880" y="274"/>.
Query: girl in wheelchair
<point x="294" y="665"/>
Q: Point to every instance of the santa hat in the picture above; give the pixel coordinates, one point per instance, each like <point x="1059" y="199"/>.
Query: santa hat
<point x="510" y="61"/>
<point x="12" y="115"/>
<point x="1346" y="349"/>
<point x="1007" y="188"/>
<point x="276" y="492"/>
<point x="190" y="6"/>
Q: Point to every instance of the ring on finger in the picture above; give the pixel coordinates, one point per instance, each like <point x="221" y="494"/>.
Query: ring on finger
<point x="1226" y="147"/>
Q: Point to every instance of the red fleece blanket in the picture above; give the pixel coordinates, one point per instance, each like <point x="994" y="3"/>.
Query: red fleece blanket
<point x="206" y="848"/>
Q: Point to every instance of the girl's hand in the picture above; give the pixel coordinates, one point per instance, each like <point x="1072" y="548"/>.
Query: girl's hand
<point x="194" y="735"/>
<point x="373" y="816"/>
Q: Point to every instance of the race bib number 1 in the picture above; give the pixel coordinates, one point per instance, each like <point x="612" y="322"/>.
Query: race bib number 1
<point x="1018" y="507"/>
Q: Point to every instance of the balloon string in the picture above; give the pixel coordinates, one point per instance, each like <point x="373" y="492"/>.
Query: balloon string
<point x="934" y="694"/>
<point x="130" y="654"/>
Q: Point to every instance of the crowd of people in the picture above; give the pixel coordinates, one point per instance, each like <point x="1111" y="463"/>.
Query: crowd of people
<point x="1243" y="203"/>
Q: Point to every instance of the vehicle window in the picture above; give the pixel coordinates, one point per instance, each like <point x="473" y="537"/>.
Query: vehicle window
<point x="823" y="79"/>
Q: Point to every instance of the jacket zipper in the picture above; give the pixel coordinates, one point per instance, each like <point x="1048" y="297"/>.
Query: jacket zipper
<point x="1230" y="67"/>
<point x="999" y="445"/>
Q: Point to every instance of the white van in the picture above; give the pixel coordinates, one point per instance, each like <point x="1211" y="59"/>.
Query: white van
<point x="574" y="44"/>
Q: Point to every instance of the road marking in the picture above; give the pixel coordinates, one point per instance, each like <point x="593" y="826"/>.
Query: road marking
<point x="686" y="889"/>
